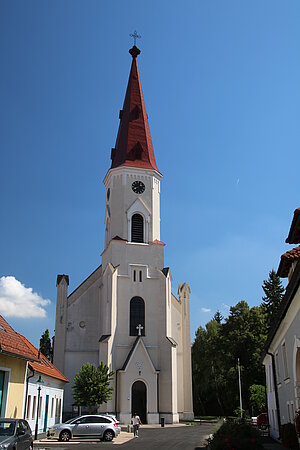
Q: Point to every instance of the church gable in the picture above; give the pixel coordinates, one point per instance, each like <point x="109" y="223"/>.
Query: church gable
<point x="140" y="207"/>
<point x="138" y="359"/>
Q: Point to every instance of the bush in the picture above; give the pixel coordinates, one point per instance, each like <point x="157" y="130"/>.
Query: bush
<point x="236" y="436"/>
<point x="289" y="436"/>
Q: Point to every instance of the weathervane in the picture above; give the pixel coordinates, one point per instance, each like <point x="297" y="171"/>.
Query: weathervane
<point x="135" y="36"/>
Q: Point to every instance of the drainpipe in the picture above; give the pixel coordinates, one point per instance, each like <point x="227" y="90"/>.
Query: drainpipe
<point x="158" y="396"/>
<point x="27" y="380"/>
<point x="116" y="391"/>
<point x="276" y="390"/>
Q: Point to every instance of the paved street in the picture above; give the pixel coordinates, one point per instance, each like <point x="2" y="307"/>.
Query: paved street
<point x="171" y="438"/>
<point x="168" y="438"/>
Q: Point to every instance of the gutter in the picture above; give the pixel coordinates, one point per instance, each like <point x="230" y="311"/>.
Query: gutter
<point x="276" y="390"/>
<point x="15" y="355"/>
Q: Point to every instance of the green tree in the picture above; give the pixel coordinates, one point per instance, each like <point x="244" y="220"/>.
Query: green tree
<point x="244" y="335"/>
<point x="274" y="291"/>
<point x="45" y="345"/>
<point x="214" y="359"/>
<point x="208" y="376"/>
<point x="91" y="386"/>
<point x="258" y="398"/>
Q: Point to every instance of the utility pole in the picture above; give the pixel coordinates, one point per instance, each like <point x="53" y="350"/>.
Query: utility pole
<point x="240" y="388"/>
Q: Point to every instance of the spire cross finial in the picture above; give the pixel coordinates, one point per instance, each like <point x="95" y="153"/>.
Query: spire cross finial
<point x="140" y="328"/>
<point x="135" y="36"/>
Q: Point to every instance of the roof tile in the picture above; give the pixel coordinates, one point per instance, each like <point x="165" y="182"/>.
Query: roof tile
<point x="42" y="364"/>
<point x="287" y="260"/>
<point x="11" y="343"/>
<point x="294" y="233"/>
<point x="134" y="145"/>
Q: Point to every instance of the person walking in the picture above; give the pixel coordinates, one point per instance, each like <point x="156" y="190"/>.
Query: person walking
<point x="136" y="422"/>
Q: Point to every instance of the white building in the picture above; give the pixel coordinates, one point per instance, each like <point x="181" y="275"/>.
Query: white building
<point x="124" y="313"/>
<point x="282" y="351"/>
<point x="50" y="391"/>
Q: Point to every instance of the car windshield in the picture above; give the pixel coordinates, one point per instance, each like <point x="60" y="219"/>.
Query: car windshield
<point x="7" y="428"/>
<point x="70" y="420"/>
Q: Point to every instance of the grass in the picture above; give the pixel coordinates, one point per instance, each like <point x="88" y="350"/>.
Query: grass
<point x="208" y="418"/>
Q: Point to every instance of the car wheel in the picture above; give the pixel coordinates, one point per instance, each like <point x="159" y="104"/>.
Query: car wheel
<point x="263" y="427"/>
<point x="65" y="436"/>
<point x="108" y="435"/>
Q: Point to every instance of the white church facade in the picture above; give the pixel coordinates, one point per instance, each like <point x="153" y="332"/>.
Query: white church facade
<point x="124" y="313"/>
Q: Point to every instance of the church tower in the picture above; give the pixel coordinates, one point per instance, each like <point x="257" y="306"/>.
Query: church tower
<point x="124" y="313"/>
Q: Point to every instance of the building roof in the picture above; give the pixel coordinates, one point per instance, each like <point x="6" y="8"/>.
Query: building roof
<point x="131" y="352"/>
<point x="42" y="364"/>
<point x="294" y="234"/>
<point x="84" y="281"/>
<point x="287" y="260"/>
<point x="288" y="297"/>
<point x="133" y="146"/>
<point x="62" y="277"/>
<point x="104" y="337"/>
<point x="118" y="238"/>
<point x="11" y="343"/>
<point x="166" y="271"/>
<point x="156" y="241"/>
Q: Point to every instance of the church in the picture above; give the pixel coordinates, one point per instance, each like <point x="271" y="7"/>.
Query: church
<point x="125" y="313"/>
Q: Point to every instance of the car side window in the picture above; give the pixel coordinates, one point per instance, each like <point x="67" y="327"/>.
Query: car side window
<point x="20" y="427"/>
<point x="89" y="419"/>
<point x="25" y="426"/>
<point x="104" y="420"/>
<point x="95" y="419"/>
<point x="82" y="420"/>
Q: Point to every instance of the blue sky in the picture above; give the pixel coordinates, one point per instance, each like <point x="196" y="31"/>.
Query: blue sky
<point x="221" y="86"/>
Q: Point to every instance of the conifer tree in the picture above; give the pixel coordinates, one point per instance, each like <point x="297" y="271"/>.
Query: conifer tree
<point x="274" y="291"/>
<point x="45" y="345"/>
<point x="218" y="317"/>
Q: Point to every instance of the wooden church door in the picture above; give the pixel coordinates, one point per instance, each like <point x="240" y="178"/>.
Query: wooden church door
<point x="139" y="400"/>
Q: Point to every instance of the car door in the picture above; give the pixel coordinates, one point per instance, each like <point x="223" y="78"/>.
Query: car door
<point x="82" y="427"/>
<point x="98" y="425"/>
<point x="22" y="436"/>
<point x="28" y="434"/>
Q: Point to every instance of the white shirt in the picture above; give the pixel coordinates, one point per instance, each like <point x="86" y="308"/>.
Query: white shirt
<point x="135" y="420"/>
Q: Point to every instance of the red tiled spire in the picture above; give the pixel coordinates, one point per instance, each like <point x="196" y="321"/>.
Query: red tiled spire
<point x="134" y="145"/>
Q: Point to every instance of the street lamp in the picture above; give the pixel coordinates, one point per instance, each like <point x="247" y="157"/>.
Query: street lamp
<point x="39" y="382"/>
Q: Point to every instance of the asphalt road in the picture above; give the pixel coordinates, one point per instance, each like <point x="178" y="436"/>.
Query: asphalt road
<point x="168" y="438"/>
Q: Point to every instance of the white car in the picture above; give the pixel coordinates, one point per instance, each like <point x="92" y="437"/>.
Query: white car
<point x="89" y="426"/>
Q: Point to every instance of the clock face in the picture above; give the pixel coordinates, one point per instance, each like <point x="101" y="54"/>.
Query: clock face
<point x="138" y="187"/>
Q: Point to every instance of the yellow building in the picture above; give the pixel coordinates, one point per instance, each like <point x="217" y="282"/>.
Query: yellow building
<point x="14" y="357"/>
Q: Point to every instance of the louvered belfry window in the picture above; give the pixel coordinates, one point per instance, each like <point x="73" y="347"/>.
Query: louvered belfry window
<point x="137" y="316"/>
<point x="137" y="228"/>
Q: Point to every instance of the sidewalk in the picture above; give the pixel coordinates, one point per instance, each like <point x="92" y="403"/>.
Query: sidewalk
<point x="270" y="444"/>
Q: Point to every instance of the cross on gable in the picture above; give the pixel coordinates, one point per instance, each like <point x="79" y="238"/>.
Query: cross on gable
<point x="140" y="328"/>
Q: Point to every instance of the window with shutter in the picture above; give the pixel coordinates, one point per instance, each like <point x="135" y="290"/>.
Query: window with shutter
<point x="137" y="228"/>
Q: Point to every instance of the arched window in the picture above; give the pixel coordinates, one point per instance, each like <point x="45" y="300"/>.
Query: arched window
<point x="137" y="228"/>
<point x="137" y="316"/>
